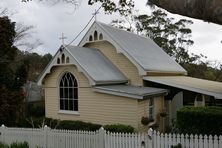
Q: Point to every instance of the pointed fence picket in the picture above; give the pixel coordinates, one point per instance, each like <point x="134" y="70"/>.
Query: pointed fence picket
<point x="55" y="138"/>
<point x="186" y="141"/>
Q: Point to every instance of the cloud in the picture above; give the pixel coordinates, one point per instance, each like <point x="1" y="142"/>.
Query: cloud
<point x="52" y="20"/>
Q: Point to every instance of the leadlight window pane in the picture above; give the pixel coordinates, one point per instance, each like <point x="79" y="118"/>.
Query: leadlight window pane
<point x="66" y="104"/>
<point x="61" y="104"/>
<point x="68" y="93"/>
<point x="75" y="104"/>
<point x="71" y="93"/>
<point x="71" y="107"/>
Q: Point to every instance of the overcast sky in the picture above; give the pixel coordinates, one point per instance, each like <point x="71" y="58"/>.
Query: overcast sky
<point x="51" y="20"/>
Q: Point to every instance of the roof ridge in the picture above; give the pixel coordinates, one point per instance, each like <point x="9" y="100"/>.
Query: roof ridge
<point x="142" y="36"/>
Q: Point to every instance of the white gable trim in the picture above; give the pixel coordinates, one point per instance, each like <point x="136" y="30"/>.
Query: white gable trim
<point x="72" y="61"/>
<point x="96" y="27"/>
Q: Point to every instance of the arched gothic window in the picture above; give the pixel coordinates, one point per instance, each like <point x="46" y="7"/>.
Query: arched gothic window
<point x="95" y="36"/>
<point x="67" y="60"/>
<point x="90" y="38"/>
<point x="100" y="36"/>
<point x="63" y="58"/>
<point x="68" y="92"/>
<point x="58" y="61"/>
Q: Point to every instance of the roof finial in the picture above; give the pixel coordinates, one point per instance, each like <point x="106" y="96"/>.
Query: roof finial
<point x="95" y="13"/>
<point x="63" y="38"/>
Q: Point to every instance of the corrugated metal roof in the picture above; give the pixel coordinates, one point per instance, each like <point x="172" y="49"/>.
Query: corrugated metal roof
<point x="202" y="86"/>
<point x="143" y="50"/>
<point x="137" y="92"/>
<point x="96" y="65"/>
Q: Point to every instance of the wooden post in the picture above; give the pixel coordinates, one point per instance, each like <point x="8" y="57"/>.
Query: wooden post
<point x="46" y="128"/>
<point x="2" y="130"/>
<point x="150" y="138"/>
<point x="101" y="137"/>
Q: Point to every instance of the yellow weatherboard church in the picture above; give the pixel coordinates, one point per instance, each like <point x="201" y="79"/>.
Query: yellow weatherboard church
<point x="114" y="76"/>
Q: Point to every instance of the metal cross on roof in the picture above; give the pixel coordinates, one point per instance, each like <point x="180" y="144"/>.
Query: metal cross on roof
<point x="63" y="38"/>
<point x="95" y="13"/>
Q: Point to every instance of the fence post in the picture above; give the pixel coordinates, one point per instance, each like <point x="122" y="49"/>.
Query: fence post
<point x="2" y="132"/>
<point x="46" y="128"/>
<point x="150" y="138"/>
<point x="102" y="137"/>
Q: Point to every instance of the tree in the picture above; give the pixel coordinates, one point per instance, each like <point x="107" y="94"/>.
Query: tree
<point x="172" y="36"/>
<point x="207" y="10"/>
<point x="11" y="77"/>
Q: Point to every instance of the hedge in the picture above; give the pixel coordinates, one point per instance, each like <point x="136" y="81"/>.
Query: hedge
<point x="120" y="128"/>
<point x="72" y="125"/>
<point x="200" y="120"/>
<point x="14" y="145"/>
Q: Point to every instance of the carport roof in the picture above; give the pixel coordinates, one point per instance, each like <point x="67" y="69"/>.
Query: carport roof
<point x="202" y="86"/>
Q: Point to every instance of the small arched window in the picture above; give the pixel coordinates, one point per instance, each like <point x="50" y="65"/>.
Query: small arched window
<point x="58" y="61"/>
<point x="68" y="92"/>
<point x="67" y="60"/>
<point x="95" y="36"/>
<point x="90" y="38"/>
<point x="63" y="58"/>
<point x="100" y="36"/>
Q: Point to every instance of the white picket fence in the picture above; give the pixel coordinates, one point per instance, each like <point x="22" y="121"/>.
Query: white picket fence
<point x="53" y="138"/>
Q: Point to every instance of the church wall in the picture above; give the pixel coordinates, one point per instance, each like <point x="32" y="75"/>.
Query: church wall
<point x="93" y="107"/>
<point x="119" y="60"/>
<point x="143" y="111"/>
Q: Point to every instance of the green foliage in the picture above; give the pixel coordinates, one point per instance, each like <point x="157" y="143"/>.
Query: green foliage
<point x="19" y="145"/>
<point x="3" y="145"/>
<point x="35" y="111"/>
<point x="200" y="120"/>
<point x="10" y="105"/>
<point x="78" y="125"/>
<point x="124" y="7"/>
<point x="15" y="145"/>
<point x="58" y="124"/>
<point x="119" y="128"/>
<point x="176" y="146"/>
<point x="35" y="63"/>
<point x="72" y="125"/>
<point x="173" y="36"/>
<point x="146" y="120"/>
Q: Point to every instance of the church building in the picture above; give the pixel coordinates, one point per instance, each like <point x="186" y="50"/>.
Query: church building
<point x="117" y="77"/>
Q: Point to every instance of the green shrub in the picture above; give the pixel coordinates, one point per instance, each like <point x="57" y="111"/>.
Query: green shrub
<point x="15" y="145"/>
<point x="78" y="125"/>
<point x="3" y="145"/>
<point x="200" y="120"/>
<point x="36" y="111"/>
<point x="146" y="120"/>
<point x="119" y="128"/>
<point x="19" y="145"/>
<point x="176" y="146"/>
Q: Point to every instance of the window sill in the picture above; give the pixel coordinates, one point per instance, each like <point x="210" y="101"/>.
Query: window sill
<point x="68" y="112"/>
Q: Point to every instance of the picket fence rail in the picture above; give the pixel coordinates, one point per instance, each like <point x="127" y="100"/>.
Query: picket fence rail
<point x="54" y="138"/>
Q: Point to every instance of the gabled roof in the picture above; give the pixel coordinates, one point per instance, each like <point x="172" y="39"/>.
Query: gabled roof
<point x="95" y="66"/>
<point x="143" y="52"/>
<point x="136" y="92"/>
<point x="206" y="87"/>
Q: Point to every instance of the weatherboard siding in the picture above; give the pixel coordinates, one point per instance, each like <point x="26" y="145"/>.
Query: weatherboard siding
<point x="93" y="107"/>
<point x="143" y="111"/>
<point x="119" y="60"/>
